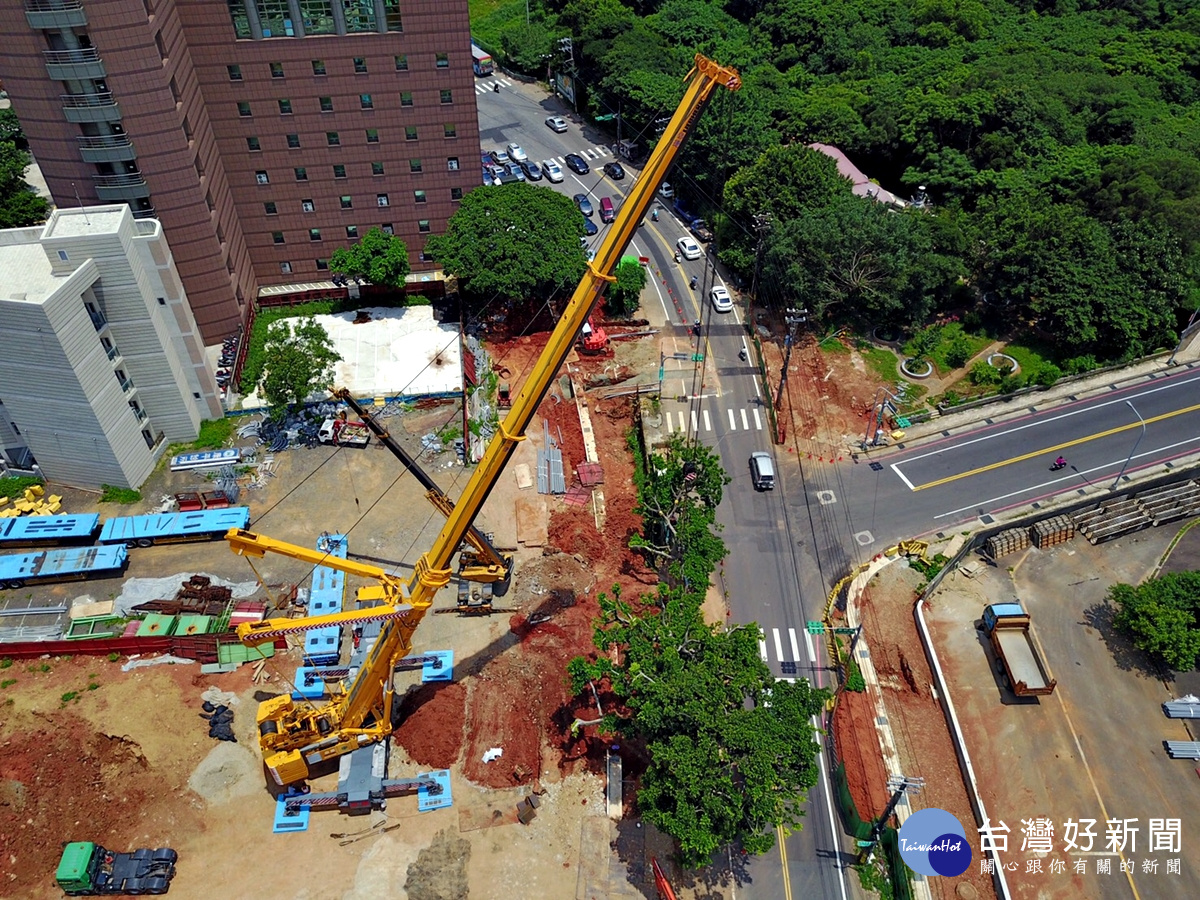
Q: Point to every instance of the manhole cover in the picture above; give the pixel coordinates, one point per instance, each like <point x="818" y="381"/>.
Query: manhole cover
<point x="966" y="891"/>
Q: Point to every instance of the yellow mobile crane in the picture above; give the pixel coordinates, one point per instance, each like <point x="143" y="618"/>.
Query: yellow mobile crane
<point x="294" y="737"/>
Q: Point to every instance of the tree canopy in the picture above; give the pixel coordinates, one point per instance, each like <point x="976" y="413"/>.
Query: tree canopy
<point x="1162" y="616"/>
<point x="299" y="362"/>
<point x="20" y="205"/>
<point x="621" y="298"/>
<point x="511" y="243"/>
<point x="379" y="258"/>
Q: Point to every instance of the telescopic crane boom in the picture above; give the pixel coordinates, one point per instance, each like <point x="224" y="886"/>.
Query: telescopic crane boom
<point x="295" y="737"/>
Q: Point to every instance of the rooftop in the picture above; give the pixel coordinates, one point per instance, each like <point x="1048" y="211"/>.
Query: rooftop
<point x="27" y="273"/>
<point x="77" y="222"/>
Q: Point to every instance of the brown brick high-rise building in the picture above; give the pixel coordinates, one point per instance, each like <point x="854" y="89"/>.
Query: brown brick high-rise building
<point x="263" y="134"/>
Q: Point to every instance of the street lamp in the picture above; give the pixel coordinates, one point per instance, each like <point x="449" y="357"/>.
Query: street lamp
<point x="1135" y="445"/>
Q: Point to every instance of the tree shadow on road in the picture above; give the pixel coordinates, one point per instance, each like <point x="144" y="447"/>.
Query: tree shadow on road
<point x="1127" y="657"/>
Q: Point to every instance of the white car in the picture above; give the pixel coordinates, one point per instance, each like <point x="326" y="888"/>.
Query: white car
<point x="552" y="170"/>
<point x="516" y="153"/>
<point x="721" y="301"/>
<point x="688" y="248"/>
<point x="666" y="191"/>
<point x="556" y="124"/>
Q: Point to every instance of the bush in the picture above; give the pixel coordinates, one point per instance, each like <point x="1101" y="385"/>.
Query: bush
<point x="951" y="398"/>
<point x="1047" y="374"/>
<point x="984" y="374"/>
<point x="1077" y="365"/>
<point x="854" y="678"/>
<point x="958" y="351"/>
<point x="113" y="494"/>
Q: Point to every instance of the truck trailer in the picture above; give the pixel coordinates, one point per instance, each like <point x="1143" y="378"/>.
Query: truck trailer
<point x="70" y="564"/>
<point x="1008" y="626"/>
<point x="87" y="869"/>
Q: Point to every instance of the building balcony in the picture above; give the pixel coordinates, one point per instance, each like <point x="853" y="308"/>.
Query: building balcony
<point x="90" y="107"/>
<point x="139" y="413"/>
<point x="126" y="384"/>
<point x="97" y="318"/>
<point x="121" y="188"/>
<point x="108" y="148"/>
<point x="112" y="353"/>
<point x="147" y="213"/>
<point x="74" y="65"/>
<point x="51" y="14"/>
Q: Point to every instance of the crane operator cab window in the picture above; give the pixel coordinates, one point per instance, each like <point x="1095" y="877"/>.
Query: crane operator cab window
<point x="762" y="471"/>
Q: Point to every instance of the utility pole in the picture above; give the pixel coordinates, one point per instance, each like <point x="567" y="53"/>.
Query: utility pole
<point x="762" y="226"/>
<point x="899" y="785"/>
<point x="793" y="317"/>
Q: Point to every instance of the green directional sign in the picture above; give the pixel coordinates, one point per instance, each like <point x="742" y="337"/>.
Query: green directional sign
<point x="607" y="118"/>
<point x="845" y="631"/>
<point x="814" y="627"/>
<point x="697" y="357"/>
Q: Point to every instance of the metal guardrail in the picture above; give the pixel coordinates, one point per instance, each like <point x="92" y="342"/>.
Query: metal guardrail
<point x="104" y="142"/>
<point x="66" y="57"/>
<point x="87" y="101"/>
<point x="52" y="5"/>
<point x="131" y="179"/>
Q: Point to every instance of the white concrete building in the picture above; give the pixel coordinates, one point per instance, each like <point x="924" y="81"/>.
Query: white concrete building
<point x="101" y="363"/>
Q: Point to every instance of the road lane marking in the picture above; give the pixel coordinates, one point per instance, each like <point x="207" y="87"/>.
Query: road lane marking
<point x="795" y="644"/>
<point x="707" y="420"/>
<point x="778" y="644"/>
<point x="808" y="646"/>
<point x="762" y="647"/>
<point x="745" y="421"/>
<point x="695" y="424"/>
<point x="1063" y="446"/>
<point x="985" y="504"/>
<point x="895" y="467"/>
<point x="757" y="418"/>
<point x="732" y="421"/>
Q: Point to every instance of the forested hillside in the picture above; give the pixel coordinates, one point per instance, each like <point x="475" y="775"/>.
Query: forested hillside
<point x="1058" y="143"/>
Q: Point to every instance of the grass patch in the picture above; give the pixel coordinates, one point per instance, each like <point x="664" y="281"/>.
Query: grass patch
<point x="6" y="663"/>
<point x="113" y="494"/>
<point x="882" y="362"/>
<point x="1028" y="357"/>
<point x="214" y="434"/>
<point x="955" y="345"/>
<point x="256" y="359"/>
<point x="113" y="657"/>
<point x="14" y="486"/>
<point x="833" y="343"/>
<point x="69" y="696"/>
<point x="8" y="682"/>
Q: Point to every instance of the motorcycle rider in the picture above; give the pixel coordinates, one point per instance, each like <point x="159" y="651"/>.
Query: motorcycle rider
<point x="1059" y="463"/>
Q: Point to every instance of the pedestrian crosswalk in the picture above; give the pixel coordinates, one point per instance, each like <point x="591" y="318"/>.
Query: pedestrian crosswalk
<point x="788" y="656"/>
<point x="692" y="421"/>
<point x="485" y="87"/>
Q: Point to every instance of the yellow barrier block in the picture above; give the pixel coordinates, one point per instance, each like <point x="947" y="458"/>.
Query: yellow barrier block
<point x="3" y="500"/>
<point x="53" y="508"/>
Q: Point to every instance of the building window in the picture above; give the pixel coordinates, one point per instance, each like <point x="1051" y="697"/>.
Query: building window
<point x="376" y="168"/>
<point x="318" y="18"/>
<point x="391" y="14"/>
<point x="174" y="91"/>
<point x="347" y="202"/>
<point x="261" y="177"/>
<point x="276" y="18"/>
<point x="414" y="165"/>
<point x="301" y="173"/>
<point x="365" y="101"/>
<point x="187" y="129"/>
<point x="360" y="65"/>
<point x="386" y="228"/>
<point x="351" y="231"/>
<point x="406" y="98"/>
<point x="252" y="144"/>
<point x="360" y="15"/>
<point x="381" y="199"/>
<point x="322" y="265"/>
<point x="270" y="209"/>
<point x="314" y="234"/>
<point x="447" y="96"/>
<point x="277" y="237"/>
<point x="401" y="63"/>
<point x="418" y="196"/>
<point x="307" y="206"/>
<point x="326" y="104"/>
<point x="241" y="22"/>
<point x="276" y="70"/>
<point x="443" y="60"/>
<point x="449" y="131"/>
<point x="285" y="107"/>
<point x="339" y="171"/>
<point x="244" y="108"/>
<point x="423" y="226"/>
<point x="158" y="42"/>
<point x="410" y="132"/>
<point x="455" y="193"/>
<point x="285" y="268"/>
<point x="208" y="201"/>
<point x="452" y="163"/>
<point x="235" y="73"/>
<point x="62" y="255"/>
<point x="318" y="66"/>
<point x="293" y="141"/>
<point x="332" y="139"/>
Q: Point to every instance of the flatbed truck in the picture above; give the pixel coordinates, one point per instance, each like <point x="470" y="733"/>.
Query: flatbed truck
<point x="1008" y="626"/>
<point x="87" y="869"/>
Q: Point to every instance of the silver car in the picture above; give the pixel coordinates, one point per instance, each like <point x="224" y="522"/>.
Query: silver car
<point x="516" y="153"/>
<point x="552" y="170"/>
<point x="556" y="124"/>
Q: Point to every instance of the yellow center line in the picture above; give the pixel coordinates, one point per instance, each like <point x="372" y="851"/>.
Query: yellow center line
<point x="1063" y="446"/>
<point x="780" y="834"/>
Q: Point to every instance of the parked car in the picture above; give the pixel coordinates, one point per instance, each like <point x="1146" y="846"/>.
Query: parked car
<point x="589" y="227"/>
<point x="614" y="170"/>
<point x="721" y="301"/>
<point x="607" y="211"/>
<point x="688" y="248"/>
<point x="577" y="164"/>
<point x="516" y="153"/>
<point x="515" y="170"/>
<point x="584" y="204"/>
<point x="502" y="175"/>
<point x="487" y="177"/>
<point x="500" y="157"/>
<point x="552" y="170"/>
<point x="556" y="124"/>
<point x="666" y="191"/>
<point x="532" y="171"/>
<point x="701" y="230"/>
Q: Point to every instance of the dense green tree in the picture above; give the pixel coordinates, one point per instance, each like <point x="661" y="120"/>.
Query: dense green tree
<point x="20" y="205"/>
<point x="10" y="129"/>
<point x="528" y="47"/>
<point x="379" y="258"/>
<point x="622" y="297"/>
<point x="300" y="358"/>
<point x="1161" y="615"/>
<point x="515" y="242"/>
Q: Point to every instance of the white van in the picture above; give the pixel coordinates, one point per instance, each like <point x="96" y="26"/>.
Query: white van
<point x="762" y="471"/>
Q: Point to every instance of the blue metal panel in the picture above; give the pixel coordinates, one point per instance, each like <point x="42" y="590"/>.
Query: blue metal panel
<point x="198" y="523"/>
<point x="48" y="529"/>
<point x="59" y="563"/>
<point x="323" y="646"/>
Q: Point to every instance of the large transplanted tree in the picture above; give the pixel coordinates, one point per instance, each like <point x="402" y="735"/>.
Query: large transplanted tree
<point x="1163" y="617"/>
<point x="379" y="258"/>
<point x="516" y="242"/>
<point x="300" y="358"/>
